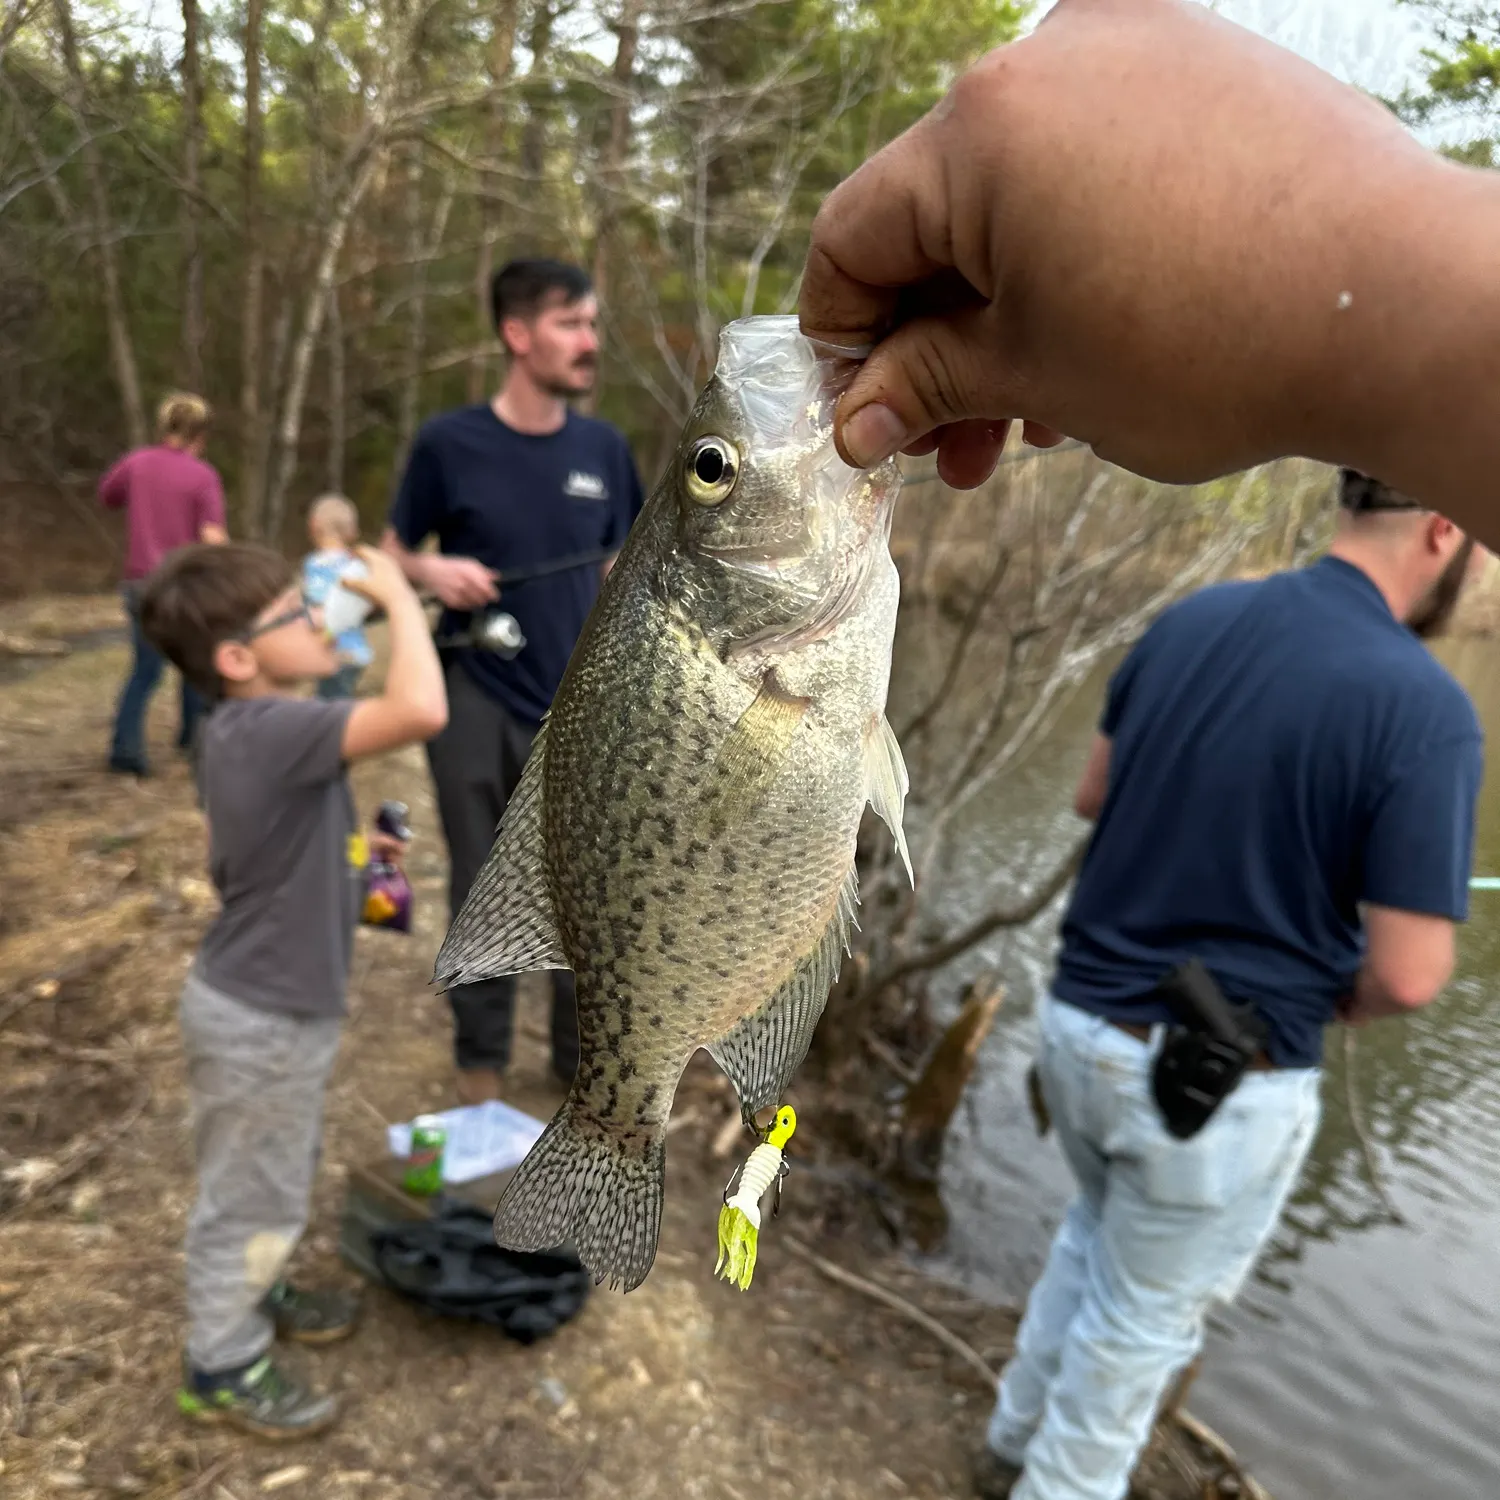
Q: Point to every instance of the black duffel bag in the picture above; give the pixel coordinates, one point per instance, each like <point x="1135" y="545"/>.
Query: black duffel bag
<point x="450" y="1264"/>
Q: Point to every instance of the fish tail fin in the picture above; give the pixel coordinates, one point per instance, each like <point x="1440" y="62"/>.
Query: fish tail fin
<point x="592" y="1188"/>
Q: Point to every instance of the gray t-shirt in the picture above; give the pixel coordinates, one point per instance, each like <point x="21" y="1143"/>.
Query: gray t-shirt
<point x="280" y="821"/>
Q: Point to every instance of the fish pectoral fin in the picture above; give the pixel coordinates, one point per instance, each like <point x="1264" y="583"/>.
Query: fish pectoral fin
<point x="885" y="775"/>
<point x="507" y="924"/>
<point x="755" y="748"/>
<point x="762" y="1053"/>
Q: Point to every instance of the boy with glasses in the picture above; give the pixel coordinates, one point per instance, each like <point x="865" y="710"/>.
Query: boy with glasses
<point x="263" y="1004"/>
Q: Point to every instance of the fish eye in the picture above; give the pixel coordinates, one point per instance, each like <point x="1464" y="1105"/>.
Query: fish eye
<point x="711" y="469"/>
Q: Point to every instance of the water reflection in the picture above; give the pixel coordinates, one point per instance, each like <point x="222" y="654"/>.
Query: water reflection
<point x="1363" y="1356"/>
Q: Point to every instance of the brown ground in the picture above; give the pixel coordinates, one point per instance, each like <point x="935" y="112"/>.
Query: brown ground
<point x="685" y="1388"/>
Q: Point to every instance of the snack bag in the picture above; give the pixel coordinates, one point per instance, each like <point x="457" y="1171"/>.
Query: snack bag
<point x="387" y="890"/>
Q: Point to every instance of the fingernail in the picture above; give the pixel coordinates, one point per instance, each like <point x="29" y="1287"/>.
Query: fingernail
<point x="873" y="433"/>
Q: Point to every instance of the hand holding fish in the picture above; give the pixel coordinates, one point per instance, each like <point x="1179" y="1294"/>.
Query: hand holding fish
<point x="1150" y="229"/>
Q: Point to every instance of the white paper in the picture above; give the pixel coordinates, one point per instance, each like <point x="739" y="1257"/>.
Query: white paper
<point x="482" y="1138"/>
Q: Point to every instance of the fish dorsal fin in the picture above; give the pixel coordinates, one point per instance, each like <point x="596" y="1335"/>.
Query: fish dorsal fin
<point x="762" y="1053"/>
<point x="885" y="775"/>
<point x="507" y="924"/>
<point x="755" y="748"/>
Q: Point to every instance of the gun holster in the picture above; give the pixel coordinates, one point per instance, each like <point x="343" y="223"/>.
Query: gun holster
<point x="1207" y="1049"/>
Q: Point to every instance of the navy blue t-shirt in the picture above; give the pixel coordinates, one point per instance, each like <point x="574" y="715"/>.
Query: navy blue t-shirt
<point x="512" y="499"/>
<point x="1281" y="750"/>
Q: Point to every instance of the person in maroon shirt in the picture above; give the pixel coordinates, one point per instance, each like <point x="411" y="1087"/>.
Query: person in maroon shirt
<point x="171" y="498"/>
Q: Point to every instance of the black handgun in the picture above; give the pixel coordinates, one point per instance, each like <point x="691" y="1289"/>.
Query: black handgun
<point x="1206" y="1053"/>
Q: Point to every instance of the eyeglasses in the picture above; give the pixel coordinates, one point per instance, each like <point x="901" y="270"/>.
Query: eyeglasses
<point x="303" y="611"/>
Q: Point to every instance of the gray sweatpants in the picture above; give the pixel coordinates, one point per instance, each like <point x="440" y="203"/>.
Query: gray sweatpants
<point x="256" y="1081"/>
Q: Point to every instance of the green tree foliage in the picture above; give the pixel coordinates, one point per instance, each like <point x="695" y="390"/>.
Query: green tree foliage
<point x="407" y="145"/>
<point x="1462" y="89"/>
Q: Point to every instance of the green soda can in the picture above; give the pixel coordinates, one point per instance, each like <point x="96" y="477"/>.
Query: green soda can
<point x="424" y="1161"/>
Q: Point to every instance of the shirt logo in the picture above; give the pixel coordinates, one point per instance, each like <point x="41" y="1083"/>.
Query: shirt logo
<point x="585" y="486"/>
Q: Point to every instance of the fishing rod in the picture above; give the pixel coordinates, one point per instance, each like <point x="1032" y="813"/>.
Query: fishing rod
<point x="498" y="630"/>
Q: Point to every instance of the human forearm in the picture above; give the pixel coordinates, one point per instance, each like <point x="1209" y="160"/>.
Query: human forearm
<point x="413" y="705"/>
<point x="459" y="582"/>
<point x="1409" y="958"/>
<point x="1416" y="403"/>
<point x="414" y="679"/>
<point x="1370" y="1000"/>
<point x="1191" y="249"/>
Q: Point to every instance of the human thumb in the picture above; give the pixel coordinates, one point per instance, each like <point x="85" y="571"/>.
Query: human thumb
<point x="929" y="373"/>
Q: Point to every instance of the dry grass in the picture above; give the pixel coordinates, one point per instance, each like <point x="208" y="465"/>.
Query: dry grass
<point x="686" y="1388"/>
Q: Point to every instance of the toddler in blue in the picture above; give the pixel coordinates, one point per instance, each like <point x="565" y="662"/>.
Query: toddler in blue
<point x="333" y="529"/>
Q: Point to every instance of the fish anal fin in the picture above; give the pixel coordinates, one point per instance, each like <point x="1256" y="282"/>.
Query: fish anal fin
<point x="763" y="1052"/>
<point x="888" y="783"/>
<point x="507" y="923"/>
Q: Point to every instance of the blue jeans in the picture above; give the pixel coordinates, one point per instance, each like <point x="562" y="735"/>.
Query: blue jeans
<point x="1160" y="1231"/>
<point x="128" y="752"/>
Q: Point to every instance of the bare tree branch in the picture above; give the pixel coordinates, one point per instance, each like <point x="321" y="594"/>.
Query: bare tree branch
<point x="121" y="346"/>
<point x="924" y="716"/>
<point x="13" y="17"/>
<point x="1018" y="914"/>
<point x="48" y="170"/>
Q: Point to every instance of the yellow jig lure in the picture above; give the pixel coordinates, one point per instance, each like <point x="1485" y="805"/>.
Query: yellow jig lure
<point x="739" y="1219"/>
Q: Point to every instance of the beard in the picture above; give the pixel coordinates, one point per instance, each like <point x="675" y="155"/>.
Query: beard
<point x="1431" y="615"/>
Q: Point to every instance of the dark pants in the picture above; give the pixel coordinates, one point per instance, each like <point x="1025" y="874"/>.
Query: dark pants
<point x="128" y="752"/>
<point x="476" y="765"/>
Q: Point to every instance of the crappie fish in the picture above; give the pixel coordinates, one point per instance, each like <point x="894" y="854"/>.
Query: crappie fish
<point x="683" y="835"/>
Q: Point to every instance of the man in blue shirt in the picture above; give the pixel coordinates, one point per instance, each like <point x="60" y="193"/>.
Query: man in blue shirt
<point x="517" y="481"/>
<point x="1284" y="786"/>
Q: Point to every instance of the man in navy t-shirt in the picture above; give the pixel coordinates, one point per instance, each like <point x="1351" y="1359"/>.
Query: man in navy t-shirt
<point x="518" y="481"/>
<point x="1284" y="784"/>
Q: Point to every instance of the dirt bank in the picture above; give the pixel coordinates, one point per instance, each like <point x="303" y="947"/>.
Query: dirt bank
<point x="798" y="1388"/>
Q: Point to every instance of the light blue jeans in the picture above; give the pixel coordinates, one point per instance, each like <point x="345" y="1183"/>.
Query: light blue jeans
<point x="1161" y="1230"/>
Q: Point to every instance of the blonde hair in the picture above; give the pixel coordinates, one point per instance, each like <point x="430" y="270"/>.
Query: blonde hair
<point x="183" y="417"/>
<point x="335" y="513"/>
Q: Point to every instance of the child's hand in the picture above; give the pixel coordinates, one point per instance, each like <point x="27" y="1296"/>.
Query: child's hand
<point x="387" y="850"/>
<point x="384" y="584"/>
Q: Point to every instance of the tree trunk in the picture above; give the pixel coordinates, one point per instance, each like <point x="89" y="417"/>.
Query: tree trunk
<point x="279" y="351"/>
<point x="416" y="332"/>
<point x="252" y="450"/>
<point x="928" y="1107"/>
<point x="501" y="64"/>
<point x="121" y="347"/>
<point x="192" y="248"/>
<point x="337" y="398"/>
<point x="607" y="199"/>
<point x="533" y="132"/>
<point x="289" y="430"/>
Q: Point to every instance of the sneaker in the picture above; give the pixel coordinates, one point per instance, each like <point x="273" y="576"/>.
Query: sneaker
<point x="263" y="1400"/>
<point x="312" y="1317"/>
<point x="995" y="1477"/>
